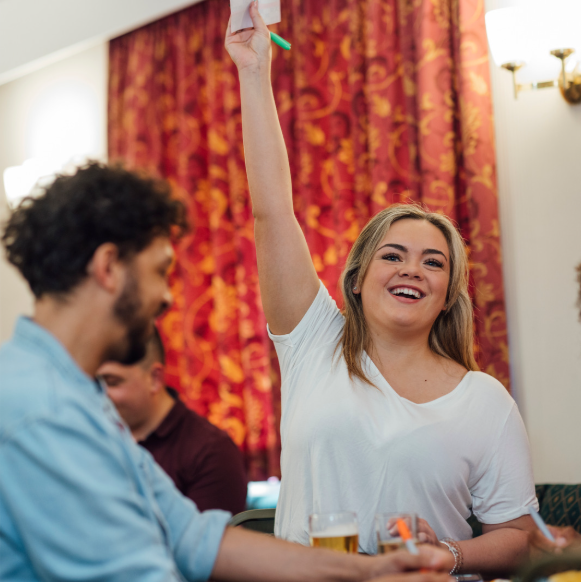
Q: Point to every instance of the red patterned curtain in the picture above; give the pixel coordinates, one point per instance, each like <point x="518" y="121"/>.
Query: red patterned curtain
<point x="381" y="101"/>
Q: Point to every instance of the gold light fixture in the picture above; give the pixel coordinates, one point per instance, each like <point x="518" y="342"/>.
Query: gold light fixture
<point x="520" y="39"/>
<point x="570" y="83"/>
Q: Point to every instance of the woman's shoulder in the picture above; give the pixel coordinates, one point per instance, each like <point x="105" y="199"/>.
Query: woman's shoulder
<point x="321" y="325"/>
<point x="489" y="389"/>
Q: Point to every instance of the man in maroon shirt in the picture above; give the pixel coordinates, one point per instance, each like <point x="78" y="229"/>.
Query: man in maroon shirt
<point x="202" y="460"/>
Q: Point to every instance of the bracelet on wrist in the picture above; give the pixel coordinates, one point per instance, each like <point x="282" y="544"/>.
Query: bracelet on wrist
<point x="456" y="552"/>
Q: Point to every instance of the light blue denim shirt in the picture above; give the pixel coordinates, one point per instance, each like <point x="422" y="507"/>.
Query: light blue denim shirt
<point x="79" y="500"/>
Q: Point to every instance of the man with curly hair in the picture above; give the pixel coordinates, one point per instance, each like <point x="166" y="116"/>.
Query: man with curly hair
<point x="79" y="500"/>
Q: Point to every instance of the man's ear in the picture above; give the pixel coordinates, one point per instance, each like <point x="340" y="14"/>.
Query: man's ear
<point x="106" y="268"/>
<point x="157" y="373"/>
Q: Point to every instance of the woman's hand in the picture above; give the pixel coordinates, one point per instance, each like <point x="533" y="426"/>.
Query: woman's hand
<point x="564" y="537"/>
<point x="250" y="48"/>
<point x="426" y="535"/>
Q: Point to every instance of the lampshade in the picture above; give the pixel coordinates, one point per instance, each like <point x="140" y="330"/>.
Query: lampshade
<point x="507" y="35"/>
<point x="64" y="125"/>
<point x="550" y="25"/>
<point x="527" y="33"/>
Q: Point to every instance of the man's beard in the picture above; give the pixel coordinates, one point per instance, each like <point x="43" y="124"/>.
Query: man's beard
<point x="127" y="310"/>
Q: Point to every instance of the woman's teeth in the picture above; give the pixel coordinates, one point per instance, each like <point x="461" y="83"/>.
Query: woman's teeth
<point x="406" y="292"/>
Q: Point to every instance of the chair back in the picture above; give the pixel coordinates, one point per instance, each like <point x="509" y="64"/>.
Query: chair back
<point x="560" y="504"/>
<point x="261" y="520"/>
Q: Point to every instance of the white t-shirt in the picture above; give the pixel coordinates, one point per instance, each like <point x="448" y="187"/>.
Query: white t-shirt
<point x="347" y="446"/>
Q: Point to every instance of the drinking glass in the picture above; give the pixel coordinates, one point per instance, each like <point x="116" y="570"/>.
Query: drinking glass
<point x="388" y="538"/>
<point x="336" y="531"/>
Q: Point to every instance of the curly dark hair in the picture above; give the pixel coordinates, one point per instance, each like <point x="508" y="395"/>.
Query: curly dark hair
<point x="52" y="238"/>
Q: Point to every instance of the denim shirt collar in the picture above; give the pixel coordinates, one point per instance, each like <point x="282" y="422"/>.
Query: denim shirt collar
<point x="43" y="342"/>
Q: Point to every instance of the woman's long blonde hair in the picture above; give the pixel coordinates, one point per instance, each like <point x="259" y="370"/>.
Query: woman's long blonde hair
<point x="452" y="334"/>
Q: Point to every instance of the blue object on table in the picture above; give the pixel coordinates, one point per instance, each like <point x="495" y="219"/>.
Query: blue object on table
<point x="541" y="524"/>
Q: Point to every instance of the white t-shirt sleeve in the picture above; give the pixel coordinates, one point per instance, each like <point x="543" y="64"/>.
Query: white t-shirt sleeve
<point x="322" y="324"/>
<point x="506" y="489"/>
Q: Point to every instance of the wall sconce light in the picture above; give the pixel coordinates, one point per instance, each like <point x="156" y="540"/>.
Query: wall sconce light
<point x="64" y="131"/>
<point x="530" y="37"/>
<point x="20" y="181"/>
<point x="34" y="174"/>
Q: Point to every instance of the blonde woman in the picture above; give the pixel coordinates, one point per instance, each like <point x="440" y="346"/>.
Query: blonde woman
<point x="383" y="408"/>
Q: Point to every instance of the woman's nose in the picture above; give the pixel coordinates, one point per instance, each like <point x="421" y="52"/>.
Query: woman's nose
<point x="410" y="270"/>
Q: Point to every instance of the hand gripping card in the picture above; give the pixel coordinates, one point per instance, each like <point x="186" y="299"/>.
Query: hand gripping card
<point x="269" y="10"/>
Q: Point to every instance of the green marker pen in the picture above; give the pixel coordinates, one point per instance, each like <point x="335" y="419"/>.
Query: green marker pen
<point x="285" y="44"/>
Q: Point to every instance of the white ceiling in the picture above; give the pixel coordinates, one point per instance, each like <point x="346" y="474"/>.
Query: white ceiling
<point x="34" y="33"/>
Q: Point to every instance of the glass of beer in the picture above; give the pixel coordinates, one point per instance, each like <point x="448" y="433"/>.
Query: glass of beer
<point x="388" y="538"/>
<point x="335" y="531"/>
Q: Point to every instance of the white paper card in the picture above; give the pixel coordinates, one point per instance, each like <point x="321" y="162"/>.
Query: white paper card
<point x="269" y="9"/>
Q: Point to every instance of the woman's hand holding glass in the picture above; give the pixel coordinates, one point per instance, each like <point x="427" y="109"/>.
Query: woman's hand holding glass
<point x="389" y="537"/>
<point x="426" y="535"/>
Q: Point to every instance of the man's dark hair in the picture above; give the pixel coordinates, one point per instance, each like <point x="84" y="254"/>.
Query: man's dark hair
<point x="52" y="238"/>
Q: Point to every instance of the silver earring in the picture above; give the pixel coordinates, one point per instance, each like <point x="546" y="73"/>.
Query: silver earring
<point x="354" y="288"/>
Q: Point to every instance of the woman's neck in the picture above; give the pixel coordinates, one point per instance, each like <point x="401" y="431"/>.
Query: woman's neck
<point x="412" y="369"/>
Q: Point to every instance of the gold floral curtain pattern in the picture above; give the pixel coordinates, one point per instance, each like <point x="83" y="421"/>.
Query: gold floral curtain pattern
<point x="381" y="101"/>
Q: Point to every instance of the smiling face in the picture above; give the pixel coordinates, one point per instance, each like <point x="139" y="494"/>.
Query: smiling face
<point x="406" y="283"/>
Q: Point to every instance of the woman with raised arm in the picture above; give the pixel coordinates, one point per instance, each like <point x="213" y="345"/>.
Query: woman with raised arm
<point x="383" y="409"/>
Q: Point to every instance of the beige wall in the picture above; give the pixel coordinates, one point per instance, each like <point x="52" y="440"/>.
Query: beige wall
<point x="539" y="159"/>
<point x="31" y="102"/>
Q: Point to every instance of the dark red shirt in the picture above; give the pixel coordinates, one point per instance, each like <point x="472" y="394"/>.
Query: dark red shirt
<point x="202" y="460"/>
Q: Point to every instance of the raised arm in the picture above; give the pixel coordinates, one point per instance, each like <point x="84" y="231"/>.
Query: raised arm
<point x="288" y="280"/>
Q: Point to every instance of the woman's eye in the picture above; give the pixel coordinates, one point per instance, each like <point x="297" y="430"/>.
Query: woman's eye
<point x="391" y="257"/>
<point x="433" y="263"/>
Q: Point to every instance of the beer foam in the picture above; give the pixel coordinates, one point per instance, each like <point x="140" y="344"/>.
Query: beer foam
<point x="337" y="531"/>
